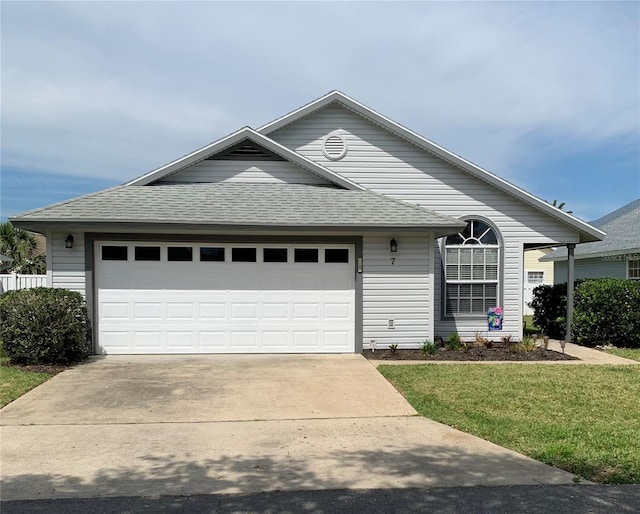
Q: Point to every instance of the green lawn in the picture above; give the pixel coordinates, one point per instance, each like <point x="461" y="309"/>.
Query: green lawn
<point x="628" y="353"/>
<point x="584" y="419"/>
<point x="14" y="382"/>
<point x="529" y="327"/>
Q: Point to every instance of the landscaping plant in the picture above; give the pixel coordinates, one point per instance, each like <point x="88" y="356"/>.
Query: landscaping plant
<point x="44" y="326"/>
<point x="607" y="311"/>
<point x="428" y="348"/>
<point x="453" y="342"/>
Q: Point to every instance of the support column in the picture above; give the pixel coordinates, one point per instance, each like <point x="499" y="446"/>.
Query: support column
<point x="570" y="281"/>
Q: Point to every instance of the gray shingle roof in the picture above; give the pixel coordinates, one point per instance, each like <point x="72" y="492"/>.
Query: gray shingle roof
<point x="622" y="227"/>
<point x="241" y="204"/>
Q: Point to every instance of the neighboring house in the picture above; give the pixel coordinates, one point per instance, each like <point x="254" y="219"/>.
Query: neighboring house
<point x="616" y="256"/>
<point x="535" y="273"/>
<point x="330" y="229"/>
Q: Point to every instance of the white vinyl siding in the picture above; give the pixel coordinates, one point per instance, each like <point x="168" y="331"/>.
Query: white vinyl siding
<point x="67" y="264"/>
<point x="396" y="287"/>
<point x="392" y="166"/>
<point x="244" y="171"/>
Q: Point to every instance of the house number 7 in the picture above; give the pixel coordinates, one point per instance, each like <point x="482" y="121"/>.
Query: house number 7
<point x="393" y="260"/>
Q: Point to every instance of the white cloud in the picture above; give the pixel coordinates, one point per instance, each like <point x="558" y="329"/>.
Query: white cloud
<point x="115" y="89"/>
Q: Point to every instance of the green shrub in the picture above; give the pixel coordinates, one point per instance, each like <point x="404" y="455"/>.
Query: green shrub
<point x="549" y="306"/>
<point x="454" y="342"/>
<point x="607" y="311"/>
<point x="428" y="348"/>
<point x="44" y="326"/>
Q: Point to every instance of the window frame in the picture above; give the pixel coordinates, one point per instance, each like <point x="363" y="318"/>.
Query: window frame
<point x="635" y="268"/>
<point x="498" y="281"/>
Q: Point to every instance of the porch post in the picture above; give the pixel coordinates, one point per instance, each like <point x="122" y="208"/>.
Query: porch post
<point x="570" y="280"/>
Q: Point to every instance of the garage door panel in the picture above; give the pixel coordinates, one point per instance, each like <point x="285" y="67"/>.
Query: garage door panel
<point x="151" y="340"/>
<point x="213" y="307"/>
<point x="336" y="338"/>
<point x="275" y="311"/>
<point x="183" y="310"/>
<point x="244" y="311"/>
<point x="305" y="339"/>
<point x="212" y="311"/>
<point x="243" y="340"/>
<point x="337" y="311"/>
<point x="306" y="311"/>
<point x="275" y="339"/>
<point x="212" y="340"/>
<point x="180" y="341"/>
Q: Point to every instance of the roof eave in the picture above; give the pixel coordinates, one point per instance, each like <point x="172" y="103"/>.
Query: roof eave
<point x="168" y="226"/>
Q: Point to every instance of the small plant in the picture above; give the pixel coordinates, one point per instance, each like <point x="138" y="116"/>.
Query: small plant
<point x="507" y="342"/>
<point x="528" y="344"/>
<point x="454" y="342"/>
<point x="393" y="348"/>
<point x="428" y="348"/>
<point x="482" y="341"/>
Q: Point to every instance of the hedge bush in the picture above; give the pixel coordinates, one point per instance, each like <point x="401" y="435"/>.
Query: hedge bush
<point x="607" y="311"/>
<point x="44" y="326"/>
<point x="549" y="306"/>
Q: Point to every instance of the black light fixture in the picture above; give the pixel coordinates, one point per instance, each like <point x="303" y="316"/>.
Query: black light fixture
<point x="394" y="245"/>
<point x="69" y="241"/>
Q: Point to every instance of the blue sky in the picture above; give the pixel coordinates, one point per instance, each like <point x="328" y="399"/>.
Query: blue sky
<point x="543" y="94"/>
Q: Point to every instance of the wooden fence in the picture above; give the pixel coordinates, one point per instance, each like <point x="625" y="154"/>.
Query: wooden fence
<point x="14" y="281"/>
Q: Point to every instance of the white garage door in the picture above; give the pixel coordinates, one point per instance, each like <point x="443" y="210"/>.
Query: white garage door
<point x="231" y="298"/>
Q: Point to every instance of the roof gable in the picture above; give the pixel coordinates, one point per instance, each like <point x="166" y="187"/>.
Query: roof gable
<point x="586" y="231"/>
<point x="242" y="143"/>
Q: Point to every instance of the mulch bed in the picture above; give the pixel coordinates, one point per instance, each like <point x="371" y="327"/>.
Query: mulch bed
<point x="496" y="353"/>
<point x="52" y="369"/>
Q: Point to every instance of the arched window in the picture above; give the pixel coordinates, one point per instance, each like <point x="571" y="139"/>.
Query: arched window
<point x="472" y="259"/>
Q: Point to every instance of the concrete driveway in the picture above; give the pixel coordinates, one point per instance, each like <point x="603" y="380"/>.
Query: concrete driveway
<point x="143" y="426"/>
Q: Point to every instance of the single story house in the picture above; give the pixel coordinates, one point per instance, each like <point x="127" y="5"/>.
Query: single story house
<point x="616" y="256"/>
<point x="330" y="229"/>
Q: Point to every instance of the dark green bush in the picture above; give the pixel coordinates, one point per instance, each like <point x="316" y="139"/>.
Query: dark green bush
<point x="44" y="326"/>
<point x="607" y="311"/>
<point x="549" y="306"/>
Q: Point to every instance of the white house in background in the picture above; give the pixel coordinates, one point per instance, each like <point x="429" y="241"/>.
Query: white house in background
<point x="535" y="273"/>
<point x="616" y="256"/>
<point x="330" y="229"/>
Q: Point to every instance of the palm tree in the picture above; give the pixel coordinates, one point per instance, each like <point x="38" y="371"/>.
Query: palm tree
<point x="560" y="206"/>
<point x="22" y="247"/>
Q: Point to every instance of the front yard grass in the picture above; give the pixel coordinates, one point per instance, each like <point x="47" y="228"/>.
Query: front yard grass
<point x="628" y="353"/>
<point x="14" y="382"/>
<point x="583" y="419"/>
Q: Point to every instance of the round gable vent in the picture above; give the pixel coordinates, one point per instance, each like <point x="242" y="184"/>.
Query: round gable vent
<point x="334" y="147"/>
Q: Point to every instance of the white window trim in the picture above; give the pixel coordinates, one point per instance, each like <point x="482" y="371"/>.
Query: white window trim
<point x="497" y="282"/>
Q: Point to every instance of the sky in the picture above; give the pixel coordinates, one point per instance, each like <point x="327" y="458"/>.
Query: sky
<point x="544" y="94"/>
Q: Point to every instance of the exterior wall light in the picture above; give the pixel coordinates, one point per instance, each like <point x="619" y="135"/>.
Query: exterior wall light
<point x="394" y="245"/>
<point x="69" y="241"/>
